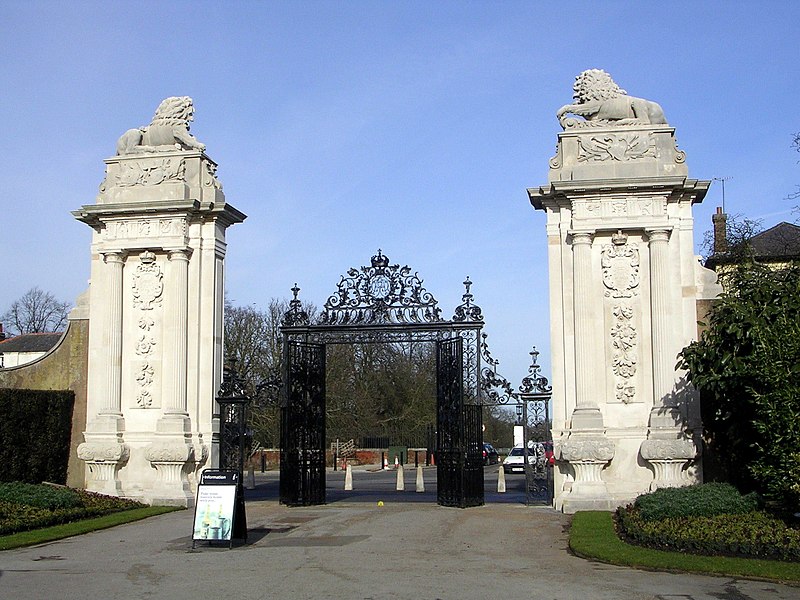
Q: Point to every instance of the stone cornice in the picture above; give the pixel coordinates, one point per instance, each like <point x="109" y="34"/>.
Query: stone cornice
<point x="566" y="191"/>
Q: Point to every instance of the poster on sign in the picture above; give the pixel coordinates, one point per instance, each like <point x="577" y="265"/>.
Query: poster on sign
<point x="215" y="507"/>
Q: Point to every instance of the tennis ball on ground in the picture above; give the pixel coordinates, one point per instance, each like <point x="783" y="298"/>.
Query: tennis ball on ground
<point x="380" y="502"/>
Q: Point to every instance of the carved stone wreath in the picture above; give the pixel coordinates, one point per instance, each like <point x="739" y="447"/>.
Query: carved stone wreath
<point x="380" y="294"/>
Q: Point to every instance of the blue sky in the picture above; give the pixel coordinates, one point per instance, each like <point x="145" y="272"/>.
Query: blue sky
<point x="414" y="127"/>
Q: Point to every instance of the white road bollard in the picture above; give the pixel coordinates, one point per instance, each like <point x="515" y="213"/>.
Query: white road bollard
<point x="401" y="483"/>
<point x="501" y="480"/>
<point x="348" y="478"/>
<point x="250" y="482"/>
<point x="420" y="480"/>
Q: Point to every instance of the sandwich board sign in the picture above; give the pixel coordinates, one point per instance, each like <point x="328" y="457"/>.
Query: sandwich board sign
<point x="216" y="508"/>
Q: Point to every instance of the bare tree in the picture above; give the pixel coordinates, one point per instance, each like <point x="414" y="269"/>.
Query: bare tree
<point x="253" y="340"/>
<point x="796" y="145"/>
<point x="739" y="230"/>
<point x="36" y="311"/>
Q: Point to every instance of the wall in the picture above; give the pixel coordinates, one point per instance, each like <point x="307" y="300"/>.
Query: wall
<point x="63" y="368"/>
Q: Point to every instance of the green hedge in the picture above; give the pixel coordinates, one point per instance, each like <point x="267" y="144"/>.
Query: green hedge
<point x="35" y="428"/>
<point x="25" y="506"/>
<point x="704" y="500"/>
<point x="712" y="519"/>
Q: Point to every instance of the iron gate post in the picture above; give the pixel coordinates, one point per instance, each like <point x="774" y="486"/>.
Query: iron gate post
<point x="234" y="438"/>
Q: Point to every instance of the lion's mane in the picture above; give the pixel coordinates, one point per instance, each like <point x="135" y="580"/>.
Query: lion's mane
<point x="596" y="84"/>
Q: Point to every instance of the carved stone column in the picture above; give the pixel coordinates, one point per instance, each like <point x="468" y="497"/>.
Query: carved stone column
<point x="586" y="415"/>
<point x="665" y="448"/>
<point x="173" y="449"/>
<point x="113" y="403"/>
<point x="175" y="403"/>
<point x="587" y="450"/>
<point x="104" y="451"/>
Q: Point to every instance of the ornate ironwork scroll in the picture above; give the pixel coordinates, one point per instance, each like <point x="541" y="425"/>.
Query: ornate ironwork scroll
<point x="303" y="426"/>
<point x="234" y="437"/>
<point x="382" y="303"/>
<point x="459" y="466"/>
<point x="532" y="400"/>
<point x="380" y="293"/>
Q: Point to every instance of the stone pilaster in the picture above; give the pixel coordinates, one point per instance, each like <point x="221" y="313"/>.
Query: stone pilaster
<point x="104" y="450"/>
<point x="586" y="416"/>
<point x="666" y="447"/>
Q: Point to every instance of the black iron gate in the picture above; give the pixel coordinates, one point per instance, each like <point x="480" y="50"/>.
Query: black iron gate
<point x="303" y="426"/>
<point x="459" y="438"/>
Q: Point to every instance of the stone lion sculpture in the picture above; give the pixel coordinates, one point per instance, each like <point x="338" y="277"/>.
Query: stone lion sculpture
<point x="601" y="102"/>
<point x="168" y="130"/>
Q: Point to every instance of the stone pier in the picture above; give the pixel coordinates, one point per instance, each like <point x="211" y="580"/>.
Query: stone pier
<point x="155" y="309"/>
<point x="624" y="283"/>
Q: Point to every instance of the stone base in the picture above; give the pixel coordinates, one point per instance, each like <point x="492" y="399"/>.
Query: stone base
<point x="573" y="504"/>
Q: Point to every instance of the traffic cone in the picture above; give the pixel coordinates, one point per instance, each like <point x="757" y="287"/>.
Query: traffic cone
<point x="396" y="461"/>
<point x="385" y="463"/>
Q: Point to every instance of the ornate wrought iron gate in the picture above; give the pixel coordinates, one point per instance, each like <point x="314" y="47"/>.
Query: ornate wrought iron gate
<point x="303" y="426"/>
<point x="383" y="303"/>
<point x="459" y="467"/>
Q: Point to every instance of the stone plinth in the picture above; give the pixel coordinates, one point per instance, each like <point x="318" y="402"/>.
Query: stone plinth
<point x="156" y="300"/>
<point x="623" y="291"/>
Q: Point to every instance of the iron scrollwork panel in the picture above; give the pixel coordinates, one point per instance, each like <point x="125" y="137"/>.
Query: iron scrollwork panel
<point x="303" y="426"/>
<point x="459" y="467"/>
<point x="473" y="463"/>
<point x="539" y="444"/>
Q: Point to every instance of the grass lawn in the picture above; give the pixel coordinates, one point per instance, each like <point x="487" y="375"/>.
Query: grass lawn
<point x="592" y="536"/>
<point x="57" y="532"/>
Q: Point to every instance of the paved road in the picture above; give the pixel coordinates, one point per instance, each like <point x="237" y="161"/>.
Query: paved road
<point x="354" y="550"/>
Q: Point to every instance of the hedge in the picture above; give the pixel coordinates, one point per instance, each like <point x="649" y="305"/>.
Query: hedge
<point x="35" y="428"/>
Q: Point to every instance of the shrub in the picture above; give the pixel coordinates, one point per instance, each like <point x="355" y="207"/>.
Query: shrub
<point x="695" y="501"/>
<point x="754" y="534"/>
<point x="35" y="431"/>
<point x="41" y="496"/>
<point x="746" y="366"/>
<point x="24" y="507"/>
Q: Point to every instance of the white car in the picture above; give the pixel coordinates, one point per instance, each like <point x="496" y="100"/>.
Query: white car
<point x="537" y="451"/>
<point x="515" y="461"/>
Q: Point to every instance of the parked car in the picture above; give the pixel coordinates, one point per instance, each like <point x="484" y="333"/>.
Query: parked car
<point x="515" y="460"/>
<point x="490" y="455"/>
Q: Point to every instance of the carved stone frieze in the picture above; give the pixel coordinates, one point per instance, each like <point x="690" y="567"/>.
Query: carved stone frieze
<point x="144" y="228"/>
<point x="677" y="449"/>
<point x="616" y="147"/>
<point x="168" y="452"/>
<point x="620" y="263"/>
<point x="154" y="171"/>
<point x="103" y="452"/>
<point x="593" y="449"/>
<point x="148" y="282"/>
<point x="615" y="207"/>
<point x="624" y="352"/>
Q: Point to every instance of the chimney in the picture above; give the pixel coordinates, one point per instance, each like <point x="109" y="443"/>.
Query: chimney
<point x="720" y="221"/>
<point x="2" y="333"/>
